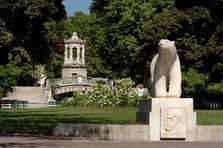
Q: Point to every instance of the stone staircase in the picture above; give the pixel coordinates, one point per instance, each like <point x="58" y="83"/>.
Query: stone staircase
<point x="34" y="95"/>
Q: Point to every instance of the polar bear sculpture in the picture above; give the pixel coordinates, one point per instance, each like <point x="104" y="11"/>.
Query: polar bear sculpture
<point x="165" y="69"/>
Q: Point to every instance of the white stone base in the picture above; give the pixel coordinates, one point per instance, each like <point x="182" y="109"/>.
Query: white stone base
<point x="162" y="124"/>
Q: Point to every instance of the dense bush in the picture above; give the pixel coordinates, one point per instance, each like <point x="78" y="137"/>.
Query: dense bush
<point x="77" y="99"/>
<point x="126" y="93"/>
<point x="102" y="96"/>
<point x="214" y="92"/>
<point x="123" y="95"/>
<point x="193" y="83"/>
<point x="124" y="85"/>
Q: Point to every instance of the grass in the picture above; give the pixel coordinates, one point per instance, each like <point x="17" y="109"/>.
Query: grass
<point x="209" y="117"/>
<point x="42" y="121"/>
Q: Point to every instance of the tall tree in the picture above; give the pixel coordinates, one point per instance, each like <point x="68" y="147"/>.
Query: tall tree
<point x="117" y="40"/>
<point x="196" y="28"/>
<point x="24" y="35"/>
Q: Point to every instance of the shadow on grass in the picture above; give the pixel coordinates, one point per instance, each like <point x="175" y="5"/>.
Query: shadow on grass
<point x="42" y="122"/>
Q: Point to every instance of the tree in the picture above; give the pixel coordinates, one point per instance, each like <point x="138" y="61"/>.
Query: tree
<point x="194" y="85"/>
<point x="195" y="27"/>
<point x="201" y="48"/>
<point x="8" y="75"/>
<point x="122" y="36"/>
<point x="25" y="21"/>
<point x="24" y="36"/>
<point x="119" y="24"/>
<point x="86" y="28"/>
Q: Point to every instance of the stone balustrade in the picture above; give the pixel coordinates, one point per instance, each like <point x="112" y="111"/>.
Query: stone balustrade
<point x="76" y="80"/>
<point x="63" y="81"/>
<point x="73" y="84"/>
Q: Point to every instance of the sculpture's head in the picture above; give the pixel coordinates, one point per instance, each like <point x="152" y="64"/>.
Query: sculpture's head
<point x="172" y="118"/>
<point x="167" y="46"/>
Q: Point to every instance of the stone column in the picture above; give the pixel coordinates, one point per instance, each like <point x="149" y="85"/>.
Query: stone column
<point x="78" y="54"/>
<point x="71" y="52"/>
<point x="83" y="57"/>
<point x="65" y="54"/>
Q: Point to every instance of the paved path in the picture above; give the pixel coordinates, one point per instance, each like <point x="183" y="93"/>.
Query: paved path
<point x="66" y="142"/>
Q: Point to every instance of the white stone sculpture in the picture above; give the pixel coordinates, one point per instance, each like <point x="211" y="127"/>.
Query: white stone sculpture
<point x="165" y="69"/>
<point x="172" y="125"/>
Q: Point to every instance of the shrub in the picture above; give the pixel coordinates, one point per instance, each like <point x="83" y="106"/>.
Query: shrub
<point x="129" y="100"/>
<point x="101" y="96"/>
<point x="77" y="99"/>
<point x="214" y="92"/>
<point x="124" y="85"/>
<point x="193" y="83"/>
<point x="124" y="95"/>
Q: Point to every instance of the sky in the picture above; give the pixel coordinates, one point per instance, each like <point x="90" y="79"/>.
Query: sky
<point x="72" y="6"/>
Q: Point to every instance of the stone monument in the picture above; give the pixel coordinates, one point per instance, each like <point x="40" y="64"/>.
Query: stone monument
<point x="74" y="57"/>
<point x="169" y="116"/>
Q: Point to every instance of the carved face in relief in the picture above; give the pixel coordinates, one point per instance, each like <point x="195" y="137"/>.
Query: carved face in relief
<point x="172" y="119"/>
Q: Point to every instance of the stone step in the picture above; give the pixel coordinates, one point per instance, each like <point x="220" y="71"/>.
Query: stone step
<point x="30" y="94"/>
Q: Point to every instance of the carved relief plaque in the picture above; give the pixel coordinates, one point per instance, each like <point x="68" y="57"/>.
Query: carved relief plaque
<point x="173" y="123"/>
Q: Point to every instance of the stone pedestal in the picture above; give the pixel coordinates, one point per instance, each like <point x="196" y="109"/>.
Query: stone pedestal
<point x="168" y="118"/>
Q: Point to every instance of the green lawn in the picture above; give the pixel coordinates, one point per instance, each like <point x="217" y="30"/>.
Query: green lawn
<point x="209" y="117"/>
<point x="42" y="121"/>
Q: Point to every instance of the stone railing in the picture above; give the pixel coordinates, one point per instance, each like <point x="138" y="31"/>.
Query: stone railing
<point x="62" y="81"/>
<point x="78" y="81"/>
<point x="75" y="81"/>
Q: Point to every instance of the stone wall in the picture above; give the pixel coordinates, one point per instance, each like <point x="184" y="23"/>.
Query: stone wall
<point x="128" y="132"/>
<point x="34" y="95"/>
<point x="209" y="133"/>
<point x="104" y="132"/>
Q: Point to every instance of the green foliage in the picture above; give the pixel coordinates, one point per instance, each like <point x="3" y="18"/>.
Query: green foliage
<point x="193" y="84"/>
<point x="25" y="21"/>
<point x="8" y="76"/>
<point x="112" y="33"/>
<point x="41" y="121"/>
<point x="56" y="44"/>
<point x="209" y="117"/>
<point x="122" y="36"/>
<point x="124" y="95"/>
<point x="77" y="99"/>
<point x="120" y="23"/>
<point x="125" y="92"/>
<point x="102" y="96"/>
<point x="86" y="27"/>
<point x="214" y="92"/>
<point x="195" y="27"/>
<point x="124" y="85"/>
<point x="29" y="33"/>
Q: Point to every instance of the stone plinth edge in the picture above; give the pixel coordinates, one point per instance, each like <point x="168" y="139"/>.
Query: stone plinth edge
<point x="129" y="132"/>
<point x="152" y="112"/>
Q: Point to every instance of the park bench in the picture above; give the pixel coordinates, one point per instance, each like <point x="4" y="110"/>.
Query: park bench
<point x="13" y="103"/>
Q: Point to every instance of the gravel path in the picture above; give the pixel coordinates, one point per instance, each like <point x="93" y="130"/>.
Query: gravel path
<point x="66" y="142"/>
